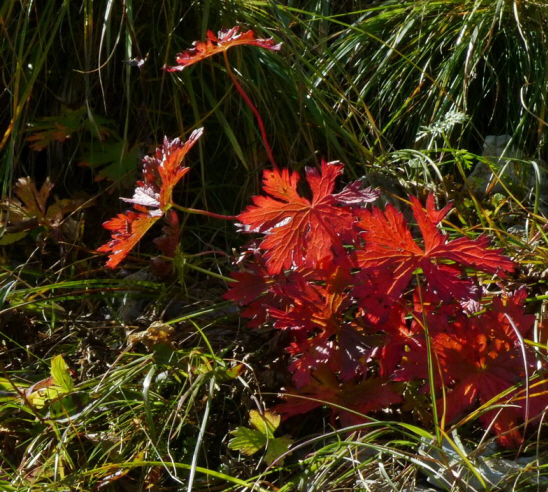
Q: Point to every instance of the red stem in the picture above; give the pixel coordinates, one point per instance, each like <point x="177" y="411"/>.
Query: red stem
<point x="246" y="98"/>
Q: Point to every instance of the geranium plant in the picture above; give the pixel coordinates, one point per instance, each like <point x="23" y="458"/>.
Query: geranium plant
<point x="370" y="308"/>
<point x="361" y="298"/>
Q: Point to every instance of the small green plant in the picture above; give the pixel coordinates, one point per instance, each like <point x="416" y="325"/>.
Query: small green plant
<point x="250" y="441"/>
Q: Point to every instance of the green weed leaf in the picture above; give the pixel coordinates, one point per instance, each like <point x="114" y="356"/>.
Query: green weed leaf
<point x="247" y="441"/>
<point x="276" y="447"/>
<point x="266" y="424"/>
<point x="60" y="374"/>
<point x="112" y="160"/>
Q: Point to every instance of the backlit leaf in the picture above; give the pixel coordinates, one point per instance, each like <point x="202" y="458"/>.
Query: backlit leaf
<point x="247" y="441"/>
<point x="391" y="247"/>
<point x="127" y="230"/>
<point x="277" y="447"/>
<point x="151" y="200"/>
<point x="299" y="231"/>
<point x="60" y="374"/>
<point x="223" y="41"/>
<point x="267" y="423"/>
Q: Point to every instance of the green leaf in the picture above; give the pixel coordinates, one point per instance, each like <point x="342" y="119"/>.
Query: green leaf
<point x="247" y="441"/>
<point x="113" y="160"/>
<point x="60" y="128"/>
<point x="60" y="374"/>
<point x="68" y="406"/>
<point x="227" y="374"/>
<point x="56" y="128"/>
<point x="266" y="424"/>
<point x="417" y="430"/>
<point x="276" y="447"/>
<point x="12" y="238"/>
<point x="41" y="397"/>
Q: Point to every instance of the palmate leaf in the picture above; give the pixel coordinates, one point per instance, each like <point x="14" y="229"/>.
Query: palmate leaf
<point x="30" y="209"/>
<point x="358" y="395"/>
<point x="127" y="230"/>
<point x="249" y="441"/>
<point x="33" y="202"/>
<point x="277" y="447"/>
<point x="224" y="40"/>
<point x="62" y="127"/>
<point x="112" y="160"/>
<point x="266" y="424"/>
<point x="151" y="200"/>
<point x="479" y="358"/>
<point x="391" y="247"/>
<point x="300" y="231"/>
<point x="256" y="289"/>
<point x="316" y="319"/>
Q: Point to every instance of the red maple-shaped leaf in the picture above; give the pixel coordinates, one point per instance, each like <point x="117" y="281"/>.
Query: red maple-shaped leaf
<point x="127" y="230"/>
<point x="321" y="317"/>
<point x="225" y="39"/>
<point x="390" y="246"/>
<point x="299" y="231"/>
<point x="256" y="289"/>
<point x="480" y="358"/>
<point x="152" y="198"/>
<point x="351" y="400"/>
<point x="479" y="367"/>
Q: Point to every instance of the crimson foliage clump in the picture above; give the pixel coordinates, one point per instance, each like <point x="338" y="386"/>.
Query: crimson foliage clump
<point x="359" y="295"/>
<point x="372" y="311"/>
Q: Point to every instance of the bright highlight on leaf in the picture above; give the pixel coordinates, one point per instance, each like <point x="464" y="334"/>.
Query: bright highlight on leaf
<point x="50" y="389"/>
<point x="224" y="40"/>
<point x="302" y="232"/>
<point x="151" y="200"/>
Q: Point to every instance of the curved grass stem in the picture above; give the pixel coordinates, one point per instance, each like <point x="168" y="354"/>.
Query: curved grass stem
<point x="204" y="212"/>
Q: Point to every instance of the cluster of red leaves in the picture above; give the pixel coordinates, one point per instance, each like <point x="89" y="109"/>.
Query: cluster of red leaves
<point x="354" y="291"/>
<point x="153" y="196"/>
<point x="151" y="201"/>
<point x="225" y="39"/>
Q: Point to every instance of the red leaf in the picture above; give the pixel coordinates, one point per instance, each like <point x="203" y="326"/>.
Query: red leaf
<point x="225" y="39"/>
<point x="162" y="172"/>
<point x="390" y="245"/>
<point x="400" y="339"/>
<point x="354" y="194"/>
<point x="256" y="288"/>
<point x="481" y="357"/>
<point x="152" y="198"/>
<point x="362" y="396"/>
<point x="127" y="230"/>
<point x="299" y="231"/>
<point x="168" y="243"/>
